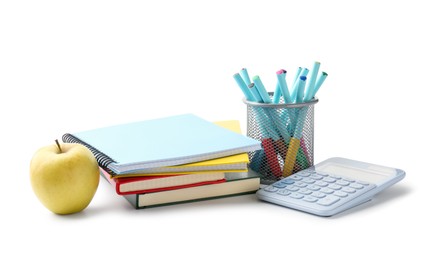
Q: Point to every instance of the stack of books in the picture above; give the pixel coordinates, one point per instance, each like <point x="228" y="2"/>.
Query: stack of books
<point x="172" y="160"/>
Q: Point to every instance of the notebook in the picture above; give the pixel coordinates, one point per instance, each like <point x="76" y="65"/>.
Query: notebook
<point x="147" y="184"/>
<point x="237" y="183"/>
<point x="232" y="163"/>
<point x="161" y="142"/>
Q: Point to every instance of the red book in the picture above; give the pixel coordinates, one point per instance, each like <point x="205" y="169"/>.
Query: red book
<point x="148" y="184"/>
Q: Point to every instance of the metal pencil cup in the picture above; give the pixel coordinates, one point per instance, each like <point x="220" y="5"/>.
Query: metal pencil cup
<point x="286" y="132"/>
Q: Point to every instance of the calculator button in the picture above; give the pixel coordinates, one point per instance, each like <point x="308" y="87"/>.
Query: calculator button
<point x="292" y="188"/>
<point x="280" y="184"/>
<point x="271" y="189"/>
<point x="321" y="183"/>
<point x="363" y="183"/>
<point x="313" y="187"/>
<point x="342" y="182"/>
<point x="327" y="190"/>
<point x="322" y="174"/>
<point x="318" y="194"/>
<point x="348" y="189"/>
<point x="305" y="191"/>
<point x="308" y="180"/>
<point x="304" y="174"/>
<point x="316" y="176"/>
<point x="296" y="195"/>
<point x="334" y="177"/>
<point x="334" y="186"/>
<point x="340" y="194"/>
<point x="329" y="179"/>
<point x="296" y="178"/>
<point x="348" y="180"/>
<point x="310" y="199"/>
<point x="356" y="186"/>
<point x="300" y="184"/>
<point x="287" y="181"/>
<point x="284" y="192"/>
<point x="329" y="200"/>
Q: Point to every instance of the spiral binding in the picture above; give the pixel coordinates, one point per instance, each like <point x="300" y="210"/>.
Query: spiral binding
<point x="103" y="160"/>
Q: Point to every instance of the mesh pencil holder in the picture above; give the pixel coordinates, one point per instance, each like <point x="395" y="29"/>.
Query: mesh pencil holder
<point x="286" y="132"/>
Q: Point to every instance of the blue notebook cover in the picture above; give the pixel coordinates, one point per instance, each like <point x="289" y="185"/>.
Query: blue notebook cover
<point x="174" y="140"/>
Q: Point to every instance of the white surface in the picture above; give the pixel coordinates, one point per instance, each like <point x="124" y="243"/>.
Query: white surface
<point x="66" y="67"/>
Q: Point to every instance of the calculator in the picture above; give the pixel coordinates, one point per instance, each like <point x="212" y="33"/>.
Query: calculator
<point x="330" y="187"/>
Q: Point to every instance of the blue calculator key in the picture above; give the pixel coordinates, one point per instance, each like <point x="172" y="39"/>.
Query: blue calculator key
<point x="363" y="183"/>
<point x="329" y="200"/>
<point x="271" y="189"/>
<point x="280" y="184"/>
<point x="287" y="181"/>
<point x="334" y="177"/>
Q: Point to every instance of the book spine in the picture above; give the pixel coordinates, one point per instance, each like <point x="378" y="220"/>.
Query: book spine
<point x="103" y="160"/>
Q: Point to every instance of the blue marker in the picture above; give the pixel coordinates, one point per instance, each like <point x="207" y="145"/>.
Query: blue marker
<point x="304" y="72"/>
<point x="262" y="91"/>
<point x="243" y="87"/>
<point x="244" y="74"/>
<point x="311" y="84"/>
<point x="301" y="89"/>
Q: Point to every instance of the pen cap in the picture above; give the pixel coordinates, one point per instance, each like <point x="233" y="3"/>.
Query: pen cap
<point x="286" y="132"/>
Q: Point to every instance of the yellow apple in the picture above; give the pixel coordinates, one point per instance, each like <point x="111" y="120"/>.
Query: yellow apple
<point x="64" y="177"/>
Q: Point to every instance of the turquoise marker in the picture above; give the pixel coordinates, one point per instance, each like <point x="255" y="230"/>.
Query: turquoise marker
<point x="281" y="75"/>
<point x="244" y="74"/>
<point x="310" y="87"/>
<point x="261" y="88"/>
<point x="243" y="87"/>
<point x="255" y="93"/>
<point x="304" y="72"/>
<point x="301" y="89"/>
<point x="319" y="83"/>
<point x="277" y="94"/>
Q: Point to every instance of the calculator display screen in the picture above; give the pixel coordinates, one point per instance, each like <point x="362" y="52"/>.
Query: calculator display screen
<point x="348" y="171"/>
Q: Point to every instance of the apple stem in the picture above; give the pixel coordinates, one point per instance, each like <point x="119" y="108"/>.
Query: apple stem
<point x="59" y="146"/>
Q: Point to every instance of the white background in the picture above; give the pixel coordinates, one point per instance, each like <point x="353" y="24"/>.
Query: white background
<point x="67" y="66"/>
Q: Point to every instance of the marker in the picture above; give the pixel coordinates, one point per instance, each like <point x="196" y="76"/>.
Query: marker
<point x="255" y="93"/>
<point x="281" y="77"/>
<point x="301" y="89"/>
<point x="304" y="72"/>
<point x="261" y="88"/>
<point x="311" y="84"/>
<point x="244" y="74"/>
<point x="243" y="87"/>
<point x="319" y="83"/>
